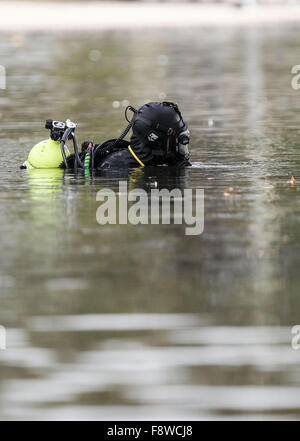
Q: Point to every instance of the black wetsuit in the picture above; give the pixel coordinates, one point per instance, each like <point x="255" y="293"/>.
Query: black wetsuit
<point x="124" y="158"/>
<point x="118" y="159"/>
<point x="121" y="157"/>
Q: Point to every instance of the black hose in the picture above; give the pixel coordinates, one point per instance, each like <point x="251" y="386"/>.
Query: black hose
<point x="126" y="130"/>
<point x="93" y="157"/>
<point x="77" y="157"/>
<point x="62" y="145"/>
<point x="123" y="134"/>
<point x="102" y="145"/>
<point x="66" y="134"/>
<point x="62" y="148"/>
<point x="109" y="145"/>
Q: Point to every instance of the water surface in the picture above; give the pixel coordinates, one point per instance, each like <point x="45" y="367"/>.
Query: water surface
<point x="127" y="322"/>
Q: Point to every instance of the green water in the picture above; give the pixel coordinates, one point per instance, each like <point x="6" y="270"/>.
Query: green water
<point x="153" y="323"/>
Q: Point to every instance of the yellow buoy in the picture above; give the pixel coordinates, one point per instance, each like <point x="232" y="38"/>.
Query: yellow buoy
<point x="46" y="154"/>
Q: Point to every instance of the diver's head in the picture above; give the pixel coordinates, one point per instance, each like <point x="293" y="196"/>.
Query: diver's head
<point x="160" y="127"/>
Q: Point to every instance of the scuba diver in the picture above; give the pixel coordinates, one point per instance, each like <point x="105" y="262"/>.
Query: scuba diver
<point x="159" y="137"/>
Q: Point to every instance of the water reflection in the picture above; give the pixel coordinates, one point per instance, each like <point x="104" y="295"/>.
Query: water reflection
<point x="142" y="321"/>
<point x="139" y="365"/>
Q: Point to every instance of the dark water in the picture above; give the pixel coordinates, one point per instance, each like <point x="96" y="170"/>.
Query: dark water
<point x="127" y="322"/>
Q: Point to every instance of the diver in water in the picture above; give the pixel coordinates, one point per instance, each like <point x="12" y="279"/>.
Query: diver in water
<point x="159" y="137"/>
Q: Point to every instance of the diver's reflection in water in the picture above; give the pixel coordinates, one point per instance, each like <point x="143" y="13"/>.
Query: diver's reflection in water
<point x="43" y="182"/>
<point x="145" y="178"/>
<point x="59" y="195"/>
<point x="45" y="188"/>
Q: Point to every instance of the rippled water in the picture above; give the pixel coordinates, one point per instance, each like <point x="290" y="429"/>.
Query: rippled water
<point x="143" y="322"/>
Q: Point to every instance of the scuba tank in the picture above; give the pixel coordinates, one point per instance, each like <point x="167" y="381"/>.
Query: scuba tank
<point x="46" y="154"/>
<point x="52" y="152"/>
